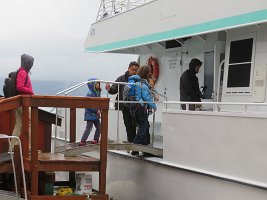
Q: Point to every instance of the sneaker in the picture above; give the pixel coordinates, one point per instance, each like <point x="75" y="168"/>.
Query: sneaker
<point x="82" y="143"/>
<point x="94" y="141"/>
<point x="134" y="153"/>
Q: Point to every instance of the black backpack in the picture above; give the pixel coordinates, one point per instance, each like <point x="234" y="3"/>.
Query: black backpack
<point x="10" y="88"/>
<point x="10" y="85"/>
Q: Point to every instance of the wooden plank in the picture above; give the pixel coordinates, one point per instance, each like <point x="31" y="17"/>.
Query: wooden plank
<point x="72" y="125"/>
<point x="94" y="167"/>
<point x="103" y="151"/>
<point x="10" y="103"/>
<point x="58" y="162"/>
<point x="73" y="197"/>
<point x="25" y="135"/>
<point x="34" y="150"/>
<point x="68" y="102"/>
<point x="99" y="197"/>
<point x="47" y="197"/>
<point x="6" y="127"/>
<point x="72" y="175"/>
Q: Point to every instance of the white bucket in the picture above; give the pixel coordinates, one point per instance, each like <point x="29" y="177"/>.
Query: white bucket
<point x="83" y="183"/>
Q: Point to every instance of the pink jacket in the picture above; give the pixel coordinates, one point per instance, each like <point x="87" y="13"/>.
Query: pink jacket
<point x="23" y="86"/>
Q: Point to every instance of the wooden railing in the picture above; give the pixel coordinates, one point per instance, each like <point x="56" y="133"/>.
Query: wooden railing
<point x="31" y="104"/>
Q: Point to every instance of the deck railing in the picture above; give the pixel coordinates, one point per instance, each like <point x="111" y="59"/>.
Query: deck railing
<point x="242" y="107"/>
<point x="32" y="103"/>
<point x="112" y="7"/>
<point x="120" y="84"/>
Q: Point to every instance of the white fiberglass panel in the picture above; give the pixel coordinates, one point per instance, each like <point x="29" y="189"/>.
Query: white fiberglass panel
<point x="232" y="144"/>
<point x="139" y="179"/>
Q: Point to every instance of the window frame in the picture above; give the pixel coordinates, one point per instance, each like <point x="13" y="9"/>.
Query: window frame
<point x="229" y="91"/>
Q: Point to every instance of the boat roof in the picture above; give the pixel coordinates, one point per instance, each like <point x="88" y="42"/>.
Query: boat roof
<point x="247" y="19"/>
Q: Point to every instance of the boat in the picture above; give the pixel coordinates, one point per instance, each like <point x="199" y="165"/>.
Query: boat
<point x="218" y="151"/>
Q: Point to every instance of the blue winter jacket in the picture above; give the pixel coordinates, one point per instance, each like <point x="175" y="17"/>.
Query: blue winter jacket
<point x="90" y="114"/>
<point x="142" y="92"/>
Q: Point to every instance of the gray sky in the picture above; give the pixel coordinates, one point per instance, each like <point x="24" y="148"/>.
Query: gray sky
<point x="53" y="32"/>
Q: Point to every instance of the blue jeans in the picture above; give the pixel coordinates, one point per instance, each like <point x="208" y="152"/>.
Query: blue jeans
<point x="88" y="130"/>
<point x="141" y="117"/>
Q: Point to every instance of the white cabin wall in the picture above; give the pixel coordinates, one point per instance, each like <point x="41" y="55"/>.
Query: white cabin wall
<point x="260" y="59"/>
<point x="225" y="143"/>
<point x="261" y="50"/>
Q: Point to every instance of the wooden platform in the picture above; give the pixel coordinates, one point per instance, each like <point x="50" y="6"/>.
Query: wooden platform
<point x="57" y="162"/>
<point x="36" y="163"/>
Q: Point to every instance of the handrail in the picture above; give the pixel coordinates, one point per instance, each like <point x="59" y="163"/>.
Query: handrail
<point x="187" y="103"/>
<point x="79" y="85"/>
<point x="112" y="7"/>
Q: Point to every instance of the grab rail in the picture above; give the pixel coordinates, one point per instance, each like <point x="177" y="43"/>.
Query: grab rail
<point x="79" y="85"/>
<point x="112" y="7"/>
<point x="214" y="104"/>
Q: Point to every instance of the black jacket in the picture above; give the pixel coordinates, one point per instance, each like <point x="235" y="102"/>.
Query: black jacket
<point x="189" y="87"/>
<point x="114" y="88"/>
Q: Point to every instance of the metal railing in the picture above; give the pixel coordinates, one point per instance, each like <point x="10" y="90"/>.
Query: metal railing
<point x="71" y="89"/>
<point x="217" y="106"/>
<point x="112" y="7"/>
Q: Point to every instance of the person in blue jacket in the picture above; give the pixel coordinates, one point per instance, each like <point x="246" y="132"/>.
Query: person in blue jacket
<point x="145" y="99"/>
<point x="92" y="115"/>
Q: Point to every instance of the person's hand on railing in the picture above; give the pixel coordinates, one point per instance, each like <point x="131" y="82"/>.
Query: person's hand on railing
<point x="107" y="87"/>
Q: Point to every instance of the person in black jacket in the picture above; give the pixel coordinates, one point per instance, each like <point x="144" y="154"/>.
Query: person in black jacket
<point x="189" y="86"/>
<point x="129" y="122"/>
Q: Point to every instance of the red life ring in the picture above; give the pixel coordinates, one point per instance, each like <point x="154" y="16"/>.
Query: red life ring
<point x="153" y="63"/>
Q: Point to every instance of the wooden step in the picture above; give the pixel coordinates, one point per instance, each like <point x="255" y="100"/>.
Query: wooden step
<point x="58" y="162"/>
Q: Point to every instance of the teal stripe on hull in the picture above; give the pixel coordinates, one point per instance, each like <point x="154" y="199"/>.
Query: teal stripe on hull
<point x="248" y="18"/>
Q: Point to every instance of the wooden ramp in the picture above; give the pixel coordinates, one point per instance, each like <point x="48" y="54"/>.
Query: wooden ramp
<point x="73" y="149"/>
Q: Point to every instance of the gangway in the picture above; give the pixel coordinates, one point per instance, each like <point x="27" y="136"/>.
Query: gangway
<point x="73" y="149"/>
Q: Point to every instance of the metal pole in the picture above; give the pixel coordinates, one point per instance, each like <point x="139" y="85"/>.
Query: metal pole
<point x="66" y="115"/>
<point x="118" y="115"/>
<point x="22" y="169"/>
<point x="153" y="129"/>
<point x="55" y="142"/>
<point x="13" y="165"/>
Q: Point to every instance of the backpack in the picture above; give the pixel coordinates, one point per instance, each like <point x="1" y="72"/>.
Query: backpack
<point x="129" y="93"/>
<point x="10" y="88"/>
<point x="10" y="85"/>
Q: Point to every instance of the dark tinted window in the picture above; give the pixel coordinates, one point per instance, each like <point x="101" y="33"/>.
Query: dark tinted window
<point x="239" y="75"/>
<point x="172" y="44"/>
<point x="241" y="51"/>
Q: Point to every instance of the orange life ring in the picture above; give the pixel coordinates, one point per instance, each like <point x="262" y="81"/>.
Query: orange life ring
<point x="153" y="63"/>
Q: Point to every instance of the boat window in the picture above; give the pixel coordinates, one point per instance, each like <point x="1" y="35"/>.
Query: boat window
<point x="240" y="63"/>
<point x="239" y="75"/>
<point x="241" y="51"/>
<point x="240" y="60"/>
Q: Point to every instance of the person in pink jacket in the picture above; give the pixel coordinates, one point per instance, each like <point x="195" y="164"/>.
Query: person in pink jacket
<point x="24" y="86"/>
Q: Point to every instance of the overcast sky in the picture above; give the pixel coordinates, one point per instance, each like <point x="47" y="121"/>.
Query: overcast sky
<point x="53" y="32"/>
